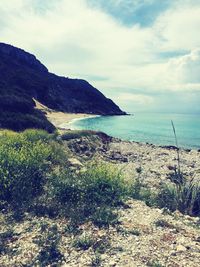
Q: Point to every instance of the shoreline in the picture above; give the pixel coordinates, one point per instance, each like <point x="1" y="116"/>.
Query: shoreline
<point x="60" y="119"/>
<point x="64" y="121"/>
<point x="69" y="125"/>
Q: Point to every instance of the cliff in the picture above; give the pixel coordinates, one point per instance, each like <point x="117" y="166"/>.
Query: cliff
<point x="23" y="77"/>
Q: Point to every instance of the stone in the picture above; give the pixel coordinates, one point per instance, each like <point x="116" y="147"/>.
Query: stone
<point x="181" y="248"/>
<point x="75" y="162"/>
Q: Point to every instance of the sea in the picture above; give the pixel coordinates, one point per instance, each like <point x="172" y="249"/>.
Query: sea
<point x="153" y="128"/>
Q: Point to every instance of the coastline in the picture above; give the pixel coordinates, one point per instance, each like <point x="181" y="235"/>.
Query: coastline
<point x="69" y="124"/>
<point x="64" y="121"/>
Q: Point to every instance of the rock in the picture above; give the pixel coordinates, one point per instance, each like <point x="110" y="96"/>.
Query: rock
<point x="181" y="248"/>
<point x="171" y="168"/>
<point x="75" y="162"/>
<point x="112" y="263"/>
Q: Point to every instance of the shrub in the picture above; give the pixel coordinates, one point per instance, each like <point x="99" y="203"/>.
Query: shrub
<point x="181" y="194"/>
<point x="25" y="160"/>
<point x="83" y="194"/>
<point x="99" y="185"/>
<point x="104" y="185"/>
<point x="74" y="134"/>
<point x="104" y="217"/>
<point x="83" y="241"/>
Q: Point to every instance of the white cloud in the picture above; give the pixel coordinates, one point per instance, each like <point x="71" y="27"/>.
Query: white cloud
<point x="75" y="40"/>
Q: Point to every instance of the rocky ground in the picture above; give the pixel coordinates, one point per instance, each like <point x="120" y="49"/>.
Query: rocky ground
<point x="144" y="236"/>
<point x="155" y="163"/>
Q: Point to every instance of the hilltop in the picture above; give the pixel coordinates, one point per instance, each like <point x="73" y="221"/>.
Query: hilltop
<point x="23" y="77"/>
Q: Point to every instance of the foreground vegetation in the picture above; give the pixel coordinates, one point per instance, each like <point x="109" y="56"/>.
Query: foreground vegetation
<point x="34" y="170"/>
<point x="35" y="177"/>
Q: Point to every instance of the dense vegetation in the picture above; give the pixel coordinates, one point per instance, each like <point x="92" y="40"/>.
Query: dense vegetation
<point x="34" y="175"/>
<point x="18" y="113"/>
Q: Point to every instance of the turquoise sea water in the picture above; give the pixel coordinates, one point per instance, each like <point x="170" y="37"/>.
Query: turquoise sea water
<point x="154" y="128"/>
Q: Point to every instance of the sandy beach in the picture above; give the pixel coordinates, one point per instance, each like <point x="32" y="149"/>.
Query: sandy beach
<point x="61" y="120"/>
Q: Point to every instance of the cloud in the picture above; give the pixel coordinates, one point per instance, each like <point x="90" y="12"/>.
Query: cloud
<point x="76" y="39"/>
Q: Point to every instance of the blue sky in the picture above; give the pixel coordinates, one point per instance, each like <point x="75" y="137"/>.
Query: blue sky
<point x="144" y="54"/>
<point x="129" y="12"/>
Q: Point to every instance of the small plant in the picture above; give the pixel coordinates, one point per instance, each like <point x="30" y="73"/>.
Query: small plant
<point x="102" y="245"/>
<point x="83" y="241"/>
<point x="140" y="192"/>
<point x="72" y="228"/>
<point x="127" y="232"/>
<point x="4" y="237"/>
<point x="184" y="197"/>
<point x="104" y="217"/>
<point x="49" y="241"/>
<point x="163" y="223"/>
<point x="136" y="189"/>
<point x="96" y="260"/>
<point x="154" y="264"/>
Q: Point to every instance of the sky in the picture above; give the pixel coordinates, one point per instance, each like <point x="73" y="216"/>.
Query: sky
<point x="143" y="54"/>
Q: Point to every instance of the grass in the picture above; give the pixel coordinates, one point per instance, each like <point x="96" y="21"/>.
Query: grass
<point x="84" y="241"/>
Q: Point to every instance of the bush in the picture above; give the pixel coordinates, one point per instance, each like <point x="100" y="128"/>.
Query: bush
<point x="83" y="241"/>
<point x="181" y="194"/>
<point x="74" y="134"/>
<point x="104" y="217"/>
<point x="84" y="193"/>
<point x="25" y="159"/>
<point x="104" y="185"/>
